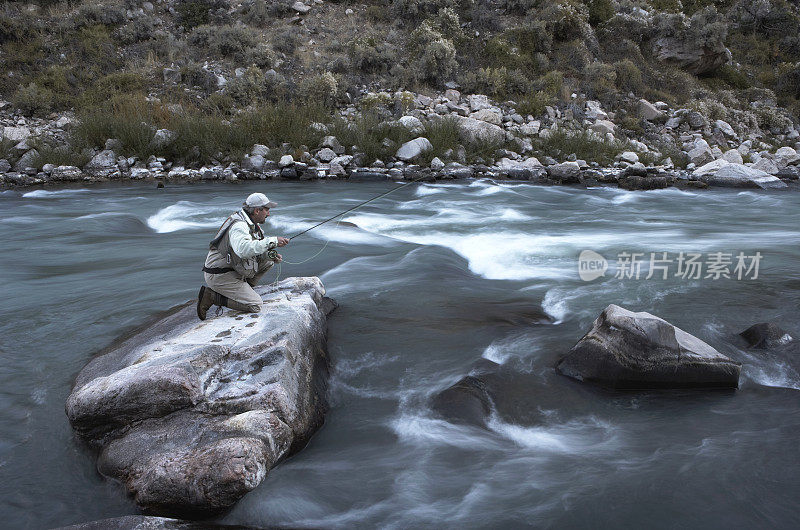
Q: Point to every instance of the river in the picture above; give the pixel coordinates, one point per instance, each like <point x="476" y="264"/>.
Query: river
<point x="429" y="279"/>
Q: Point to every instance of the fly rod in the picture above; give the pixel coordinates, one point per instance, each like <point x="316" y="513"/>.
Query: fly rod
<point x="357" y="206"/>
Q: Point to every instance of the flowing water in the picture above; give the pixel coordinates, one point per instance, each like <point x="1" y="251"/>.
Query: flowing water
<point x="429" y="279"/>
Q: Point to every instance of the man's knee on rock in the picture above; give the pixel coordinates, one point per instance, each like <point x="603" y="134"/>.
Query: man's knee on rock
<point x="254" y="308"/>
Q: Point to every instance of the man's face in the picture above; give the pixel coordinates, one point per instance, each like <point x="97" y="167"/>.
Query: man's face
<point x="260" y="215"/>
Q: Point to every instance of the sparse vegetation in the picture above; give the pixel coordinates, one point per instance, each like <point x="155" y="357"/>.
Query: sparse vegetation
<point x="232" y="66"/>
<point x="200" y="135"/>
<point x="583" y="144"/>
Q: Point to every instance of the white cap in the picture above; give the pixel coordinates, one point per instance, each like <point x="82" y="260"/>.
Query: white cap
<point x="259" y="200"/>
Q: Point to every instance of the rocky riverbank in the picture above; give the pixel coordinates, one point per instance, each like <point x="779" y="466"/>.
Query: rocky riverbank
<point x="710" y="152"/>
<point x="190" y="415"/>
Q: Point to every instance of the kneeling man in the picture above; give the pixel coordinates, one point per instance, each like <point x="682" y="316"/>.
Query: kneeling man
<point x="238" y="257"/>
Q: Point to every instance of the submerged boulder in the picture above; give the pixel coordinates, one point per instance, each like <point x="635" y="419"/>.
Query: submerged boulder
<point x="627" y="350"/>
<point x="468" y="400"/>
<point x="765" y="335"/>
<point x="191" y="415"/>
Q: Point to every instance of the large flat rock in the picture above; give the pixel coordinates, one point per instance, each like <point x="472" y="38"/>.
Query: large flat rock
<point x="625" y="349"/>
<point x="191" y="415"/>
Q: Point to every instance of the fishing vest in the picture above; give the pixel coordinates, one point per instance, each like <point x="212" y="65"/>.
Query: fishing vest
<point x="221" y="257"/>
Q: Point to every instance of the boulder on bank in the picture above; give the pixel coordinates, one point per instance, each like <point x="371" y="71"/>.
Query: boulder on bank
<point x="413" y="148"/>
<point x="723" y="173"/>
<point x="472" y="130"/>
<point x="191" y="415"/>
<point x="627" y="350"/>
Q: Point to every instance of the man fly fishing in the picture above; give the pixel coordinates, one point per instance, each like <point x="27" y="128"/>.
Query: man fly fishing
<point x="238" y="257"/>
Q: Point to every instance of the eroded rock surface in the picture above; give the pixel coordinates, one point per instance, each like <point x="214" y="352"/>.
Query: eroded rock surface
<point x="191" y="415"/>
<point x="625" y="349"/>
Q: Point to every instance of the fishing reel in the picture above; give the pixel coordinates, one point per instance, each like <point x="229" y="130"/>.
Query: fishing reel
<point x="272" y="254"/>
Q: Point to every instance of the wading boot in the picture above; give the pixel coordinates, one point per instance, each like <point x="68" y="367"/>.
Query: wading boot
<point x="238" y="306"/>
<point x="205" y="300"/>
<point x="208" y="297"/>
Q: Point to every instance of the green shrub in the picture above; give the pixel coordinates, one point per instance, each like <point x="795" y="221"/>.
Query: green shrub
<point x="534" y="104"/>
<point x="286" y="42"/>
<point x="771" y="17"/>
<point x="33" y="100"/>
<point x="632" y="123"/>
<point x="433" y="57"/>
<point x="114" y="85"/>
<point x="788" y="84"/>
<point x="321" y="88"/>
<point x="23" y="54"/>
<point x="448" y="24"/>
<point x="484" y="151"/>
<point x="497" y="82"/>
<point x="224" y="41"/>
<point x="623" y="26"/>
<point x="572" y="56"/>
<point x="679" y="83"/>
<point x="273" y="124"/>
<point x="667" y="6"/>
<point x="629" y="77"/>
<point x="15" y="27"/>
<point x="93" y="48"/>
<point x="261" y="56"/>
<point x="599" y="11"/>
<point x="704" y="29"/>
<point x="58" y="155"/>
<point x="417" y="9"/>
<point x="372" y="55"/>
<point x="522" y="7"/>
<point x="61" y="83"/>
<point x="551" y="83"/>
<point x="377" y="14"/>
<point x="498" y="51"/>
<point x="770" y="117"/>
<point x="217" y="104"/>
<point x="565" y="21"/>
<point x="194" y="13"/>
<point x="531" y="38"/>
<point x="90" y="14"/>
<point x="137" y="30"/>
<point x="729" y="76"/>
<point x="599" y="79"/>
<point x="368" y="132"/>
<point x="249" y="88"/>
<point x="261" y="12"/>
<point x="443" y="134"/>
<point x="133" y="121"/>
<point x="585" y="145"/>
<point x="126" y="118"/>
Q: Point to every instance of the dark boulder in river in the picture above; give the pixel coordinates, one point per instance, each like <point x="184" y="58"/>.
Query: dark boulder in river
<point x="511" y="393"/>
<point x="468" y="401"/>
<point x="627" y="350"/>
<point x="191" y="415"/>
<point x="765" y="335"/>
